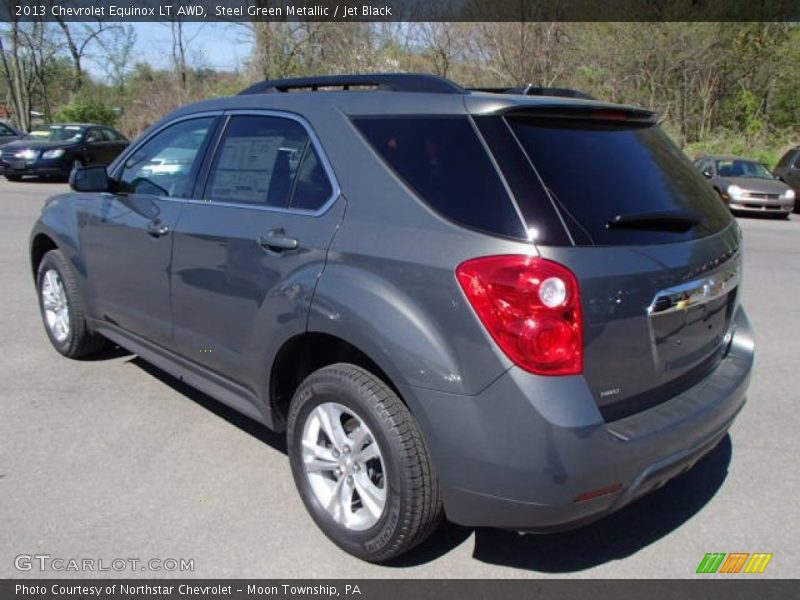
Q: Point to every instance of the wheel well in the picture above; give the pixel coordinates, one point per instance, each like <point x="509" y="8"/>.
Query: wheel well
<point x="42" y="244"/>
<point x="304" y="354"/>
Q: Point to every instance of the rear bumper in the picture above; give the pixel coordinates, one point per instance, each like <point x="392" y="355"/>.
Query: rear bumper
<point x="518" y="455"/>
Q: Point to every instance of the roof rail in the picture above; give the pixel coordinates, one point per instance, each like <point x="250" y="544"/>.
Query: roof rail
<point x="393" y="82"/>
<point x="531" y="90"/>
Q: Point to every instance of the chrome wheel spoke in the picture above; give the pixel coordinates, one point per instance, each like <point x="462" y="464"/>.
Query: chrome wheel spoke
<point x="315" y="465"/>
<point x="357" y="438"/>
<point x="333" y="506"/>
<point x="340" y="501"/>
<point x="48" y="301"/>
<point x="368" y="453"/>
<point x="372" y="497"/>
<point x="314" y="450"/>
<point x="330" y="418"/>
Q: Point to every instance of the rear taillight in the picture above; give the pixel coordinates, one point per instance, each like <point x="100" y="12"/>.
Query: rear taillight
<point x="531" y="307"/>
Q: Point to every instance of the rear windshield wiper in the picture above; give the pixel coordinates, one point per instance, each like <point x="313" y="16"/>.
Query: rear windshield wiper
<point x="678" y="221"/>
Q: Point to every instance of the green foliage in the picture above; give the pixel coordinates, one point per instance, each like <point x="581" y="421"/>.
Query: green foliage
<point x="766" y="147"/>
<point x="749" y="110"/>
<point x="86" y="110"/>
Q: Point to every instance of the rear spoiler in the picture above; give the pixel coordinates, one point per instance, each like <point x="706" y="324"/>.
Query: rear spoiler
<point x="600" y="113"/>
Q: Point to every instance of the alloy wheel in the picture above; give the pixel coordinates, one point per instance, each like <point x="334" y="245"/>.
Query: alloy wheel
<point x="344" y="466"/>
<point x="54" y="303"/>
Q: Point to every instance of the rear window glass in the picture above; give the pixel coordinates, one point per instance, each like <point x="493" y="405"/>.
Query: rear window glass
<point x="597" y="171"/>
<point x="444" y="162"/>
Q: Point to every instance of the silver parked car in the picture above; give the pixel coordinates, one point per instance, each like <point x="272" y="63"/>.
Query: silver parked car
<point x="747" y="185"/>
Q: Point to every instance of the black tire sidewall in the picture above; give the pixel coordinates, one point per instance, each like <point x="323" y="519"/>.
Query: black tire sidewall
<point x="366" y="544"/>
<point x="52" y="261"/>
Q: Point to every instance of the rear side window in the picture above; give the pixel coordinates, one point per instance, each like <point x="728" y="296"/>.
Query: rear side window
<point x="596" y="171"/>
<point x="312" y="187"/>
<point x="444" y="162"/>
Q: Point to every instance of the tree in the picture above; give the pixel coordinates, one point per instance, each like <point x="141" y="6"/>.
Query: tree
<point x="117" y="55"/>
<point x="79" y="38"/>
<point x="87" y="110"/>
<point x="19" y="72"/>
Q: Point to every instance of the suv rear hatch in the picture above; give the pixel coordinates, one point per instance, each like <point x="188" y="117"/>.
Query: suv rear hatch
<point x="655" y="252"/>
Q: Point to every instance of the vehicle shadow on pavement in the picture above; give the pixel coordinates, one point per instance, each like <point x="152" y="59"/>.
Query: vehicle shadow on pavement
<point x="618" y="535"/>
<point x="274" y="440"/>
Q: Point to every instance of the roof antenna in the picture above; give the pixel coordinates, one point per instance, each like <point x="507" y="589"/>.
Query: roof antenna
<point x="527" y="89"/>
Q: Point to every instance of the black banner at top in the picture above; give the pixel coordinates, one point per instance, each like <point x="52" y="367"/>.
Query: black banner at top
<point x="399" y="10"/>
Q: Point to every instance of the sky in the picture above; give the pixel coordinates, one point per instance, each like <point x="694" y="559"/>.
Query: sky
<point x="219" y="46"/>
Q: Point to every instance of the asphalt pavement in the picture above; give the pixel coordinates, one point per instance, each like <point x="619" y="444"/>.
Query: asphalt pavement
<point x="112" y="459"/>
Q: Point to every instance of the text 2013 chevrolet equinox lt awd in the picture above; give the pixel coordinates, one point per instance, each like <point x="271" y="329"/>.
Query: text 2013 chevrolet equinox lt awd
<point x="515" y="311"/>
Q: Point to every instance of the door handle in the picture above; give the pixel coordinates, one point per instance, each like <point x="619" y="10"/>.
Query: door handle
<point x="157" y="228"/>
<point x="277" y="241"/>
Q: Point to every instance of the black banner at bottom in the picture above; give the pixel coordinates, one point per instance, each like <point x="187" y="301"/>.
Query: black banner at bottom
<point x="363" y="589"/>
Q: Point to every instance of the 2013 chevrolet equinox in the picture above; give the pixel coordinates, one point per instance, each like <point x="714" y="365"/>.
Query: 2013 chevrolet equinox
<point x="519" y="312"/>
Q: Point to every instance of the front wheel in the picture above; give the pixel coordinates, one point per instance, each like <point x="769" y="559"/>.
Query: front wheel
<point x="360" y="463"/>
<point x="14" y="177"/>
<point x="62" y="309"/>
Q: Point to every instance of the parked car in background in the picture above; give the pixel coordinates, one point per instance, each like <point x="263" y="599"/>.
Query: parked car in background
<point x="788" y="171"/>
<point x="747" y="185"/>
<point x="55" y="150"/>
<point x="8" y="134"/>
<point x="413" y="283"/>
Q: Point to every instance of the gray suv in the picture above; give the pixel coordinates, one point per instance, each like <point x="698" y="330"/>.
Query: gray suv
<point x="513" y="311"/>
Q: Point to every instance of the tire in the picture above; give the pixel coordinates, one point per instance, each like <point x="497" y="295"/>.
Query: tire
<point x="411" y="507"/>
<point x="14" y="177"/>
<point x="76" y="164"/>
<point x="62" y="309"/>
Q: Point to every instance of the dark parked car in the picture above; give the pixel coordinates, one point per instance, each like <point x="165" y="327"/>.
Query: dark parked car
<point x="788" y="171"/>
<point x="747" y="185"/>
<point x="8" y="134"/>
<point x="55" y="150"/>
<point x="373" y="265"/>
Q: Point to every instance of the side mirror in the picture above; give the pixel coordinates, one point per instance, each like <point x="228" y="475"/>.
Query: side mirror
<point x="708" y="174"/>
<point x="90" y="179"/>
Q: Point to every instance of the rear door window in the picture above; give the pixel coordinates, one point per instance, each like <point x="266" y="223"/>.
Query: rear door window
<point x="257" y="161"/>
<point x="598" y="170"/>
<point x="444" y="162"/>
